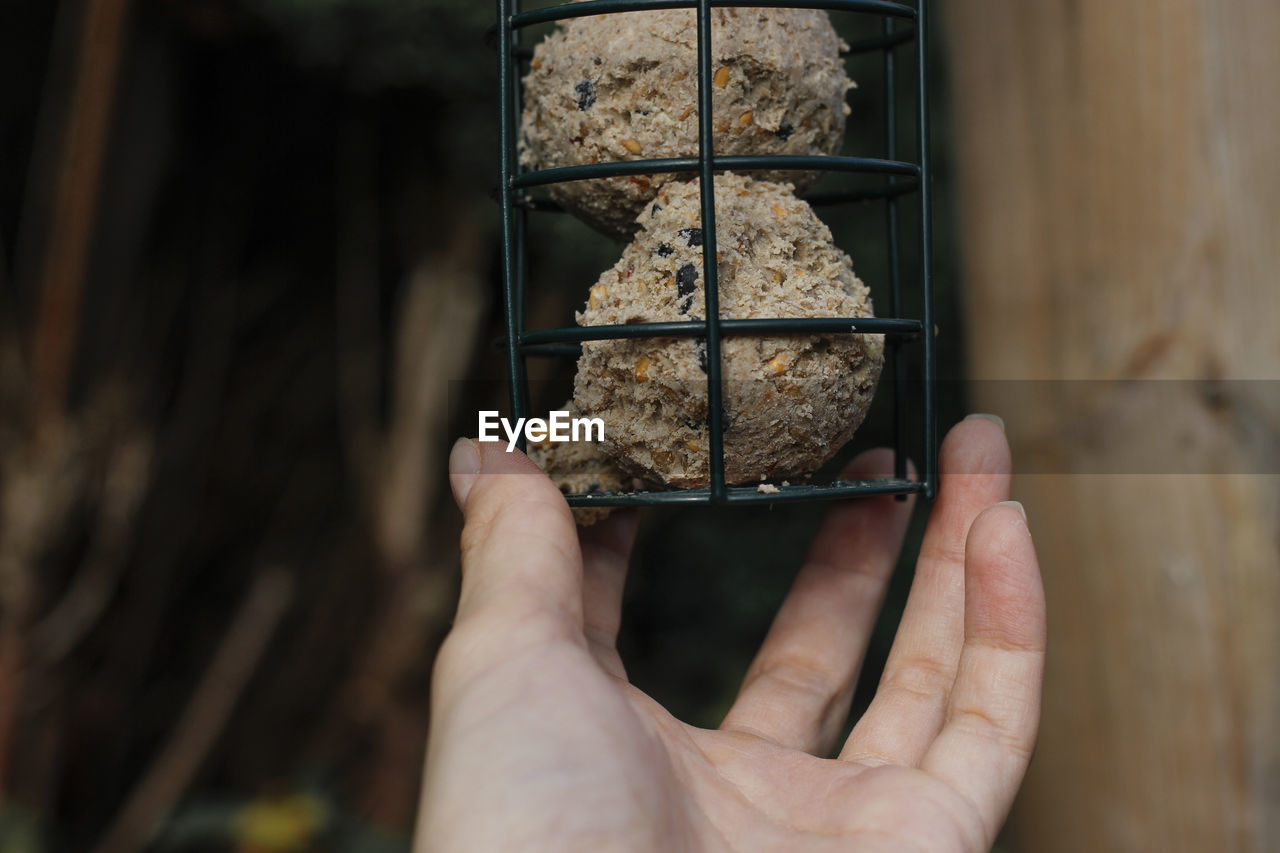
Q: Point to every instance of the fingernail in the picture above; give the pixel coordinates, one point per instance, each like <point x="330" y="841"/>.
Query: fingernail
<point x="995" y="419"/>
<point x="464" y="467"/>
<point x="1016" y="505"/>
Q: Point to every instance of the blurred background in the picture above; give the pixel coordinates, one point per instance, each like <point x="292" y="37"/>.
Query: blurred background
<point x="250" y="289"/>
<point x="248" y="294"/>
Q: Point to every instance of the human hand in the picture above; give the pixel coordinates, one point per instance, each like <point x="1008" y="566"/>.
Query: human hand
<point x="538" y="741"/>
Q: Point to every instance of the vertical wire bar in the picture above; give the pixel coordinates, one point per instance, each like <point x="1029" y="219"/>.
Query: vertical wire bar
<point x="899" y="366"/>
<point x="522" y="225"/>
<point x="510" y="262"/>
<point x="926" y="252"/>
<point x="715" y="425"/>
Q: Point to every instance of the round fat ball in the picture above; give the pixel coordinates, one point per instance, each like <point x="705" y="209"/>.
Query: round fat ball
<point x="790" y="401"/>
<point x="624" y="86"/>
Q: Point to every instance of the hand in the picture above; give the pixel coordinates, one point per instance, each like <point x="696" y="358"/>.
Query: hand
<point x="538" y="742"/>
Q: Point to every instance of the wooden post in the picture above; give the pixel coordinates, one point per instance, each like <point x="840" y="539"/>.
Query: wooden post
<point x="1119" y="205"/>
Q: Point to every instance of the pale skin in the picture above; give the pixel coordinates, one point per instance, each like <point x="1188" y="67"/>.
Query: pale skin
<point x="539" y="742"/>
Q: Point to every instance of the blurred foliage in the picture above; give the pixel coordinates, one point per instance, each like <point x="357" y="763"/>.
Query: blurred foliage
<point x="283" y="824"/>
<point x="18" y="831"/>
<point x="294" y="821"/>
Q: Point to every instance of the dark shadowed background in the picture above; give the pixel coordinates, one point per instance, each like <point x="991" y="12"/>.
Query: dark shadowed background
<point x="248" y="293"/>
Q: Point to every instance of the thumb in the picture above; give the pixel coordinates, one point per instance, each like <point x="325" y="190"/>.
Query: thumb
<point x="520" y="557"/>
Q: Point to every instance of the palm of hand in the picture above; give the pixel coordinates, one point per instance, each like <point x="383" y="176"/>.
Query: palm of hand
<point x="539" y="742"/>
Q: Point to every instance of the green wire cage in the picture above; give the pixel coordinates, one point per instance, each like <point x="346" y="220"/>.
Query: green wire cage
<point x="897" y="180"/>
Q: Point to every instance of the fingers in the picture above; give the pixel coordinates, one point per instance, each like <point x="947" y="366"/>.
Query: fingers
<point x="798" y="689"/>
<point x="986" y="743"/>
<point x="606" y="551"/>
<point x="521" y="567"/>
<point x="910" y="703"/>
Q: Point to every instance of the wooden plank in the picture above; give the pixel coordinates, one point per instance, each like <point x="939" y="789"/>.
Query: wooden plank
<point x="1119" y="210"/>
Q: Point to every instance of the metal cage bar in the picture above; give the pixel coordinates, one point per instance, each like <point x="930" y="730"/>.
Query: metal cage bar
<point x="900" y="178"/>
<point x="926" y="251"/>
<point x="710" y="266"/>
<point x="894" y="345"/>
<point x="605" y="7"/>
<point x="513" y="249"/>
